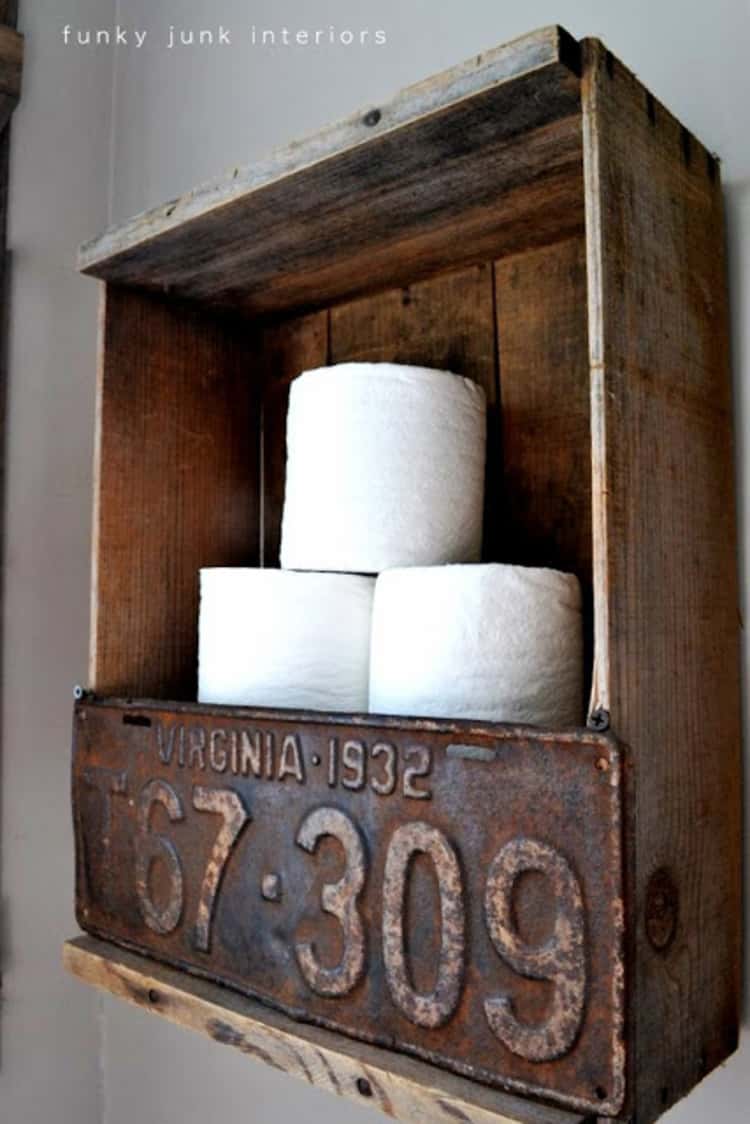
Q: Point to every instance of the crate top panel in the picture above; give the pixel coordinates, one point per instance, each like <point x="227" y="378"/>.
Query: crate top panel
<point x="483" y="159"/>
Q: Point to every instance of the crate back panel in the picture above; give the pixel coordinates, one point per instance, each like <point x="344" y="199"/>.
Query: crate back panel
<point x="192" y="444"/>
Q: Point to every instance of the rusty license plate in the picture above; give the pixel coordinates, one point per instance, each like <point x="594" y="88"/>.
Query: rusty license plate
<point x="445" y="889"/>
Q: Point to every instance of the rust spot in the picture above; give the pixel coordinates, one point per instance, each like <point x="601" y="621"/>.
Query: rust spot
<point x="166" y="816"/>
<point x="435" y="1008"/>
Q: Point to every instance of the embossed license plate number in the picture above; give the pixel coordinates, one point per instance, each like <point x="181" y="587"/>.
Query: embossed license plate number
<point x="445" y="889"/>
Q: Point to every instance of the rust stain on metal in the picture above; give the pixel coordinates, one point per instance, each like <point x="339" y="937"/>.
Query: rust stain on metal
<point x="436" y="1007"/>
<point x="561" y="960"/>
<point x="448" y="889"/>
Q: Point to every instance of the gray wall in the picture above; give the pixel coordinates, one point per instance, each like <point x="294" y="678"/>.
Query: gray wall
<point x="49" y="1037"/>
<point x="177" y="119"/>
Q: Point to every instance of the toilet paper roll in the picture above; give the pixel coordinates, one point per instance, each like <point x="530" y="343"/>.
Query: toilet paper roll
<point x="502" y="643"/>
<point x="281" y="639"/>
<point x="385" y="467"/>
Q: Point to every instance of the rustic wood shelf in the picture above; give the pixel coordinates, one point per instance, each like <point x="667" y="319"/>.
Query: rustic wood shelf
<point x="537" y="221"/>
<point x="399" y="1086"/>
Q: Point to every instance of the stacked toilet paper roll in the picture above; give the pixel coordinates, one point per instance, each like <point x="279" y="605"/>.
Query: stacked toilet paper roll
<point x="501" y="643"/>
<point x="385" y="475"/>
<point x="385" y="467"/>
<point x="283" y="639"/>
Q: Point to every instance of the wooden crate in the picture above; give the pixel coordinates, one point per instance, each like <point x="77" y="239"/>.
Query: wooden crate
<point x="537" y="221"/>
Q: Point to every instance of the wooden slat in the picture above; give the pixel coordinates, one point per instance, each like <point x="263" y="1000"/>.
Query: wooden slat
<point x="481" y="158"/>
<point x="546" y="430"/>
<point x="665" y="564"/>
<point x="177" y="485"/>
<point x="401" y="1087"/>
<point x="285" y="350"/>
<point x="447" y="323"/>
<point x="11" y="65"/>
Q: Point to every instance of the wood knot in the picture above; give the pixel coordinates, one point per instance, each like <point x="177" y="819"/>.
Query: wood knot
<point x="662" y="907"/>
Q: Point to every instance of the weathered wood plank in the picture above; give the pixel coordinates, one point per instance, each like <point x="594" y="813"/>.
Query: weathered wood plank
<point x="11" y="65"/>
<point x="483" y="156"/>
<point x="447" y="323"/>
<point x="665" y="566"/>
<point x="177" y="485"/>
<point x="401" y="1087"/>
<point x="285" y="350"/>
<point x="546" y="431"/>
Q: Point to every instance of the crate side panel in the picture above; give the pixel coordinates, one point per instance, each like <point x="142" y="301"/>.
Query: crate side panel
<point x="177" y="485"/>
<point x="665" y="565"/>
<point x="546" y="426"/>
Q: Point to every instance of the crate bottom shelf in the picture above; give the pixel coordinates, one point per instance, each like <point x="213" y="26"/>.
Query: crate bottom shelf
<point x="399" y="1086"/>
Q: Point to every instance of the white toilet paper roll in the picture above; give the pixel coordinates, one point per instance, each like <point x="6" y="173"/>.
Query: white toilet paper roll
<point x="280" y="639"/>
<point x="502" y="643"/>
<point x="385" y="467"/>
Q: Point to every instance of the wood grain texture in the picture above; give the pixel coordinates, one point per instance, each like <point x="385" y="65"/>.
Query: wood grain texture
<point x="447" y="322"/>
<point x="177" y="485"/>
<point x="285" y="350"/>
<point x="546" y="429"/>
<point x="401" y="1087"/>
<point x="483" y="157"/>
<point x="11" y="66"/>
<point x="665" y="561"/>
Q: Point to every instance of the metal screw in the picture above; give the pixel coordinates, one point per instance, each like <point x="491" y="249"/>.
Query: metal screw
<point x="599" y="720"/>
<point x="79" y="692"/>
<point x="372" y="118"/>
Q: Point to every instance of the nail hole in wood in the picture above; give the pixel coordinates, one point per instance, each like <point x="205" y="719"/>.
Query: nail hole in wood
<point x="153" y="996"/>
<point x="364" y="1087"/>
<point x="135" y="720"/>
<point x="601" y="1092"/>
<point x="372" y="118"/>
